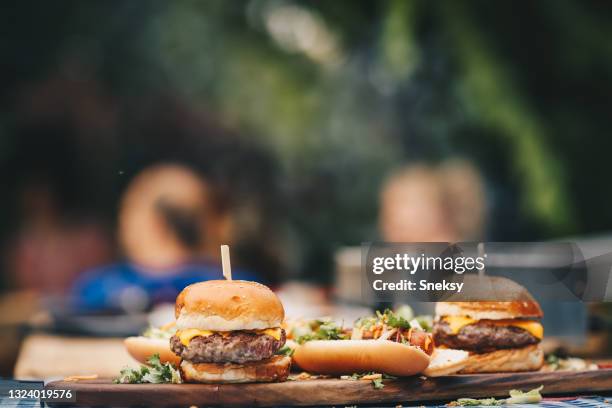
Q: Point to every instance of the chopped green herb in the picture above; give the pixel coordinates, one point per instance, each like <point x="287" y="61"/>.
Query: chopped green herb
<point x="529" y="397"/>
<point x="323" y="330"/>
<point x="553" y="361"/>
<point x="395" y="320"/>
<point x="400" y="319"/>
<point x="426" y="322"/>
<point x="378" y="383"/>
<point x="470" y="402"/>
<point x="516" y="397"/>
<point x="157" y="373"/>
<point x="285" y="351"/>
<point x="366" y="322"/>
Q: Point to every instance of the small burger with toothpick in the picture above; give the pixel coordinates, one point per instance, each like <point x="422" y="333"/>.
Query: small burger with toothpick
<point x="229" y="331"/>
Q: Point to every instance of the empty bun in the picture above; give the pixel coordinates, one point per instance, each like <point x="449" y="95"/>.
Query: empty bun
<point x="528" y="358"/>
<point x="222" y="305"/>
<point x="336" y="357"/>
<point x="142" y="348"/>
<point x="274" y="369"/>
<point x="491" y="310"/>
<point x="446" y="361"/>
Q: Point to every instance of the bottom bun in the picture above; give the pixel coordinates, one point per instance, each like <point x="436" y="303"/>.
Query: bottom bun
<point x="337" y="357"/>
<point x="528" y="358"/>
<point x="270" y="370"/>
<point x="142" y="348"/>
<point x="446" y="361"/>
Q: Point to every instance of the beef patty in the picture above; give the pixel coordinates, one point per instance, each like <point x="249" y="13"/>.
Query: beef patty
<point x="482" y="337"/>
<point x="237" y="347"/>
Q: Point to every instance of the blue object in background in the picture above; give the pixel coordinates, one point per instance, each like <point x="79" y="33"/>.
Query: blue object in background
<point x="131" y="288"/>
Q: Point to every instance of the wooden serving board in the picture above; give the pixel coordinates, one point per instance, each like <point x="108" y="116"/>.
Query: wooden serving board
<point x="336" y="391"/>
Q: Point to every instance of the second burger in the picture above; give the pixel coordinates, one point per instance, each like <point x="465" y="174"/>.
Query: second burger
<point x="500" y="336"/>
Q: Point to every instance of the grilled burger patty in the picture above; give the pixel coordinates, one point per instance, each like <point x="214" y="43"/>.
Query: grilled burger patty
<point x="482" y="337"/>
<point x="236" y="347"/>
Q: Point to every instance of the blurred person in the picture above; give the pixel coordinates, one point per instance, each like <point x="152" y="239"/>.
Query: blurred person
<point x="414" y="207"/>
<point x="171" y="225"/>
<point x="169" y="214"/>
<point x="64" y="165"/>
<point x="48" y="231"/>
<point x="426" y="203"/>
<point x="466" y="198"/>
<point x="49" y="249"/>
<point x="54" y="172"/>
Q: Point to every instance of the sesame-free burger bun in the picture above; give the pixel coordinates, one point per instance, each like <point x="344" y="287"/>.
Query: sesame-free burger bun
<point x="479" y="301"/>
<point x="226" y="305"/>
<point x="518" y="309"/>
<point x="337" y="357"/>
<point x="528" y="358"/>
<point x="142" y="348"/>
<point x="270" y="370"/>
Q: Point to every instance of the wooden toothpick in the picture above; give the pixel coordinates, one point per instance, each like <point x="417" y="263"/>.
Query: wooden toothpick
<point x="225" y="262"/>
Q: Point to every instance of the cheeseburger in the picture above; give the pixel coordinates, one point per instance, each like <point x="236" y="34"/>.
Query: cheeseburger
<point x="499" y="336"/>
<point x="229" y="331"/>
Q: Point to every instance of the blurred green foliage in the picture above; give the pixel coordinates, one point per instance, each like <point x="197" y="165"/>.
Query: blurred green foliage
<point x="341" y="92"/>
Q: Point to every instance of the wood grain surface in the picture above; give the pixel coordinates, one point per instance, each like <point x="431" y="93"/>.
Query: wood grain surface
<point x="335" y="391"/>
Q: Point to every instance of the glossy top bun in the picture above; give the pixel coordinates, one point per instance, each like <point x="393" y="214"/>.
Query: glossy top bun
<point x="222" y="305"/>
<point x="491" y="297"/>
<point x="517" y="309"/>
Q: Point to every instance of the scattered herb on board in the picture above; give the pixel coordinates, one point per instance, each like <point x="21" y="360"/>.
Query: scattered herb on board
<point x="516" y="397"/>
<point x="555" y="363"/>
<point x="376" y="378"/>
<point x="156" y="373"/>
<point x="378" y="383"/>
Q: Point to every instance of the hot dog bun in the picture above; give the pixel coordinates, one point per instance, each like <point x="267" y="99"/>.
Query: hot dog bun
<point x="142" y="348"/>
<point x="337" y="357"/>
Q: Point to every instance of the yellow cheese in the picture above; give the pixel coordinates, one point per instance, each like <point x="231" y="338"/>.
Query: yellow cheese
<point x="535" y="328"/>
<point x="457" y="322"/>
<point x="276" y="333"/>
<point x="186" y="335"/>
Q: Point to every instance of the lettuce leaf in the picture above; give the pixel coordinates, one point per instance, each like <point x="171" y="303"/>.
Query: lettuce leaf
<point x="156" y="373"/>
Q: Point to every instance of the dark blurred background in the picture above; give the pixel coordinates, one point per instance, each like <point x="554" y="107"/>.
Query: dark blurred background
<point x="296" y="112"/>
<point x="136" y="137"/>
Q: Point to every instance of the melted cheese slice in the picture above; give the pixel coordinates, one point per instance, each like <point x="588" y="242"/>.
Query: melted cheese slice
<point x="186" y="335"/>
<point x="276" y="332"/>
<point x="457" y="322"/>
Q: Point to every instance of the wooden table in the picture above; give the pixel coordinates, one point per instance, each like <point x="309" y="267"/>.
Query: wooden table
<point x="336" y="391"/>
<point x="44" y="356"/>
